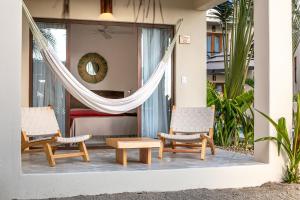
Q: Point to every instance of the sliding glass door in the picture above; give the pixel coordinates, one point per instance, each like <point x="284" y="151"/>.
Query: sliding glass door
<point x="155" y="111"/>
<point x="46" y="88"/>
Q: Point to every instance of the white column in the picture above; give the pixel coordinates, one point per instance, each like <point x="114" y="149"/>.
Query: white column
<point x="10" y="78"/>
<point x="273" y="70"/>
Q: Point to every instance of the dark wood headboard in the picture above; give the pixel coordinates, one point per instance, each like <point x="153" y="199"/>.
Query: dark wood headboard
<point x="74" y="103"/>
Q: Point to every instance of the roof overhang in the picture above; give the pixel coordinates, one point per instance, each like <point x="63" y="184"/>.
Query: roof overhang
<point x="206" y="4"/>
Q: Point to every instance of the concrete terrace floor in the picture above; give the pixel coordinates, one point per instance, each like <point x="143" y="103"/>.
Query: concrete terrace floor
<point x="104" y="160"/>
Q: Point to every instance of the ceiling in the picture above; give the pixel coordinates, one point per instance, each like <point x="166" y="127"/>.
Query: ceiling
<point x="206" y="4"/>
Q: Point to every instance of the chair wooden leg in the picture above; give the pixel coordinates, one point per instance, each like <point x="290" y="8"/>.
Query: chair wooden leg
<point x="54" y="148"/>
<point x="211" y="140"/>
<point x="203" y="148"/>
<point x="173" y="146"/>
<point x="212" y="147"/>
<point x="82" y="148"/>
<point x="49" y="154"/>
<point x="162" y="146"/>
<point x="24" y="141"/>
<point x="161" y="149"/>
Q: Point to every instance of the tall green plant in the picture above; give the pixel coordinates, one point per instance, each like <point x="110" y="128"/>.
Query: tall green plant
<point x="233" y="116"/>
<point x="233" y="107"/>
<point x="289" y="144"/>
<point x="241" y="48"/>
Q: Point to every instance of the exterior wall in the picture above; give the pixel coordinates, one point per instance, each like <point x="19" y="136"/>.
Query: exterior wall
<point x="74" y="184"/>
<point x="10" y="87"/>
<point x="190" y="59"/>
<point x="221" y="78"/>
<point x="218" y="28"/>
<point x="296" y="78"/>
<point x="273" y="93"/>
<point x="273" y="32"/>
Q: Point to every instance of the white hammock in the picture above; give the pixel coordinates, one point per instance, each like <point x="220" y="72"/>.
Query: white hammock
<point x="83" y="94"/>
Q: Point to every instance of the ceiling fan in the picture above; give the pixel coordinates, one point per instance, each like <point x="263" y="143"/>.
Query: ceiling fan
<point x="108" y="31"/>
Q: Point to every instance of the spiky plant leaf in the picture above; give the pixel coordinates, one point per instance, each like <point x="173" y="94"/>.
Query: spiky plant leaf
<point x="241" y="48"/>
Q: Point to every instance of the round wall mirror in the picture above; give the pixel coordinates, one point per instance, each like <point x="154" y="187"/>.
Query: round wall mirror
<point x="92" y="68"/>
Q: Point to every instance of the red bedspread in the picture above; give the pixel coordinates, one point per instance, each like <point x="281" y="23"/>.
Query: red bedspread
<point x="89" y="113"/>
<point x="78" y="113"/>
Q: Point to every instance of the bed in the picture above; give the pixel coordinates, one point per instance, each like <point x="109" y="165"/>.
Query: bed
<point x="101" y="125"/>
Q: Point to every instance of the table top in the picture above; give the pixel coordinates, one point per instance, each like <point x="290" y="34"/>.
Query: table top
<point x="133" y="143"/>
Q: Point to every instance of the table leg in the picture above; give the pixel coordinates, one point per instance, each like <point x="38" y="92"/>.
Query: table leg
<point x="145" y="155"/>
<point x="121" y="156"/>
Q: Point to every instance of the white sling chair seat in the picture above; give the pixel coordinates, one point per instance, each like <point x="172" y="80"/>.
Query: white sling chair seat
<point x="182" y="138"/>
<point x="71" y="140"/>
<point x="63" y="140"/>
<point x="39" y="127"/>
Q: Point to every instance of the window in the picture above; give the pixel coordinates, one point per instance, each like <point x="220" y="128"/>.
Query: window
<point x="214" y="43"/>
<point x="46" y="89"/>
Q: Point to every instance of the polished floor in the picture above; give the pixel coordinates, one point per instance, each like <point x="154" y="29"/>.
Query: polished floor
<point x="104" y="160"/>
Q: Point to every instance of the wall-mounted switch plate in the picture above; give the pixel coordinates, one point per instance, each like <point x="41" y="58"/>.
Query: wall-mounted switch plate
<point x="184" y="39"/>
<point x="184" y="80"/>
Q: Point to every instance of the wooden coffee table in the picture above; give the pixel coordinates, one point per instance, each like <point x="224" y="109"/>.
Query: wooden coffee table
<point x="143" y="144"/>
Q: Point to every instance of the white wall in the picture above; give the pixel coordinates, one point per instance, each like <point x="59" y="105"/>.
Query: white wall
<point x="221" y="78"/>
<point x="190" y="59"/>
<point x="273" y="93"/>
<point x="10" y="87"/>
<point x="120" y="52"/>
<point x="218" y="28"/>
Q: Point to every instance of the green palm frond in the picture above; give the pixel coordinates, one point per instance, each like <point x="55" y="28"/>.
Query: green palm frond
<point x="223" y="12"/>
<point x="241" y="48"/>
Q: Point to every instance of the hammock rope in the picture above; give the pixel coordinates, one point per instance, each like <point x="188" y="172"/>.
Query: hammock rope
<point x="83" y="94"/>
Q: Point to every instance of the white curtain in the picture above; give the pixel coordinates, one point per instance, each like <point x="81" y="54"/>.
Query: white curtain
<point x="155" y="109"/>
<point x="83" y="94"/>
<point x="46" y="88"/>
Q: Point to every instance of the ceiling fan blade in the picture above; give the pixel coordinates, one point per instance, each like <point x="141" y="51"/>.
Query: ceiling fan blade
<point x="119" y="32"/>
<point x="106" y="35"/>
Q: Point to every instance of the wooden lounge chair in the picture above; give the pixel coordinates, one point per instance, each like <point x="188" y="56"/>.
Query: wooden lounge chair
<point x="191" y="131"/>
<point x="40" y="129"/>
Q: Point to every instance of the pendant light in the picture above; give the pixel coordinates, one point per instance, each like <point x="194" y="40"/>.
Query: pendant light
<point x="106" y="6"/>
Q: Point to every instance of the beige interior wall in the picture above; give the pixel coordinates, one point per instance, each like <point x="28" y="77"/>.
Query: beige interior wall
<point x="120" y="53"/>
<point x="190" y="58"/>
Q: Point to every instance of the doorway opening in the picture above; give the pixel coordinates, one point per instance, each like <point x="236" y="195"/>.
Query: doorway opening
<point x="127" y="53"/>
